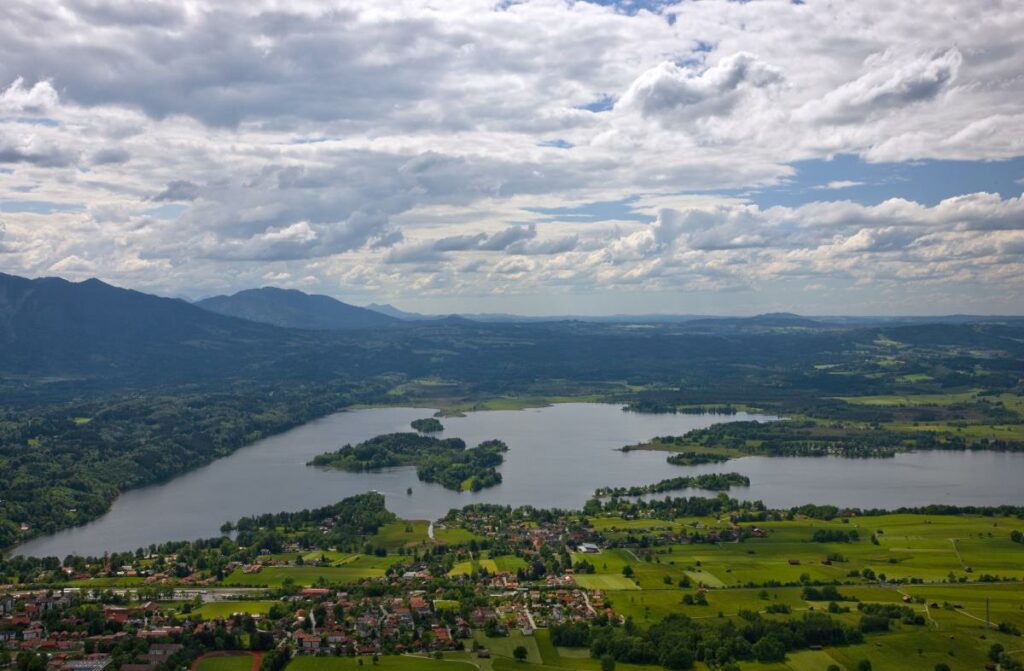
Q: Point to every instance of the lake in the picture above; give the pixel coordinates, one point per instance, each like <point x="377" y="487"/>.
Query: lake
<point x="557" y="457"/>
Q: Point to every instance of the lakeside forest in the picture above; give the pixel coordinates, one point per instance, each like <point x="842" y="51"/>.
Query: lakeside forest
<point x="100" y="401"/>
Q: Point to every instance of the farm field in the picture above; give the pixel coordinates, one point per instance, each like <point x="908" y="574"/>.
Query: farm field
<point x="944" y="556"/>
<point x="922" y="547"/>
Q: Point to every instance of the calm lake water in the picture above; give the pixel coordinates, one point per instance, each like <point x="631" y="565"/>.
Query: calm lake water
<point x="557" y="457"/>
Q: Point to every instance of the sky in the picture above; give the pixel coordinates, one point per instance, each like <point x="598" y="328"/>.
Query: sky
<point x="537" y="157"/>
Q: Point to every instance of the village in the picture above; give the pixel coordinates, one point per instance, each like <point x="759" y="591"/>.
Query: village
<point x="145" y="619"/>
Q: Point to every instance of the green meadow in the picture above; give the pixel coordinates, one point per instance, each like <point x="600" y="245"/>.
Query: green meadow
<point x="225" y="609"/>
<point x="501" y="564"/>
<point x="400" y="534"/>
<point x="352" y="569"/>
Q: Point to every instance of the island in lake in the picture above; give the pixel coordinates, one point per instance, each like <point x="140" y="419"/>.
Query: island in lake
<point x="428" y="425"/>
<point x="445" y="461"/>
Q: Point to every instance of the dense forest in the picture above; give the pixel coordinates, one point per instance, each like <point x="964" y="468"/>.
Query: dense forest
<point x="64" y="464"/>
<point x="678" y="641"/>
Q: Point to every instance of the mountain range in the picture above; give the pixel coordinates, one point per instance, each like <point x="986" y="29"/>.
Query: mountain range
<point x="294" y="309"/>
<point x="56" y="332"/>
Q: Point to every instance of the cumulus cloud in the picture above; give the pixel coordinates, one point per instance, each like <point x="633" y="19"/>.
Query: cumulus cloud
<point x="39" y="98"/>
<point x="839" y="184"/>
<point x="33" y="149"/>
<point x="890" y="81"/>
<point x="372" y="149"/>
<point x="669" y="92"/>
<point x="178" y="190"/>
<point x="110" y="155"/>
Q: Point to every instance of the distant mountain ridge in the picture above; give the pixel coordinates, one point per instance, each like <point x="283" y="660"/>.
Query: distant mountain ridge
<point x="290" y="308"/>
<point x="53" y="325"/>
<point x="392" y="311"/>
<point x="58" y="334"/>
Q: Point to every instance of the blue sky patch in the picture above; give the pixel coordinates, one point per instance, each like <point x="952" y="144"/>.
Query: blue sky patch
<point x="596" y="211"/>
<point x="558" y="143"/>
<point x="631" y="7"/>
<point x="39" y="206"/>
<point x="604" y="103"/>
<point x="847" y="177"/>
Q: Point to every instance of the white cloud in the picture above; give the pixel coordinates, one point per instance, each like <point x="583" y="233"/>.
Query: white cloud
<point x="40" y="98"/>
<point x="839" y="184"/>
<point x="890" y="80"/>
<point x="669" y="92"/>
<point x="347" y="148"/>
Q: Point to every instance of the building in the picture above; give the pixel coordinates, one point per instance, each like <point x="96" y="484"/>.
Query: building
<point x="90" y="663"/>
<point x="164" y="650"/>
<point x="307" y="642"/>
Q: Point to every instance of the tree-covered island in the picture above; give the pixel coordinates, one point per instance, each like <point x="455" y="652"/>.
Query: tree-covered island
<point x="444" y="461"/>
<point x="427" y="425"/>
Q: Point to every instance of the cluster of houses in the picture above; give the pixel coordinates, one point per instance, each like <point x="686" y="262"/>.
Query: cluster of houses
<point x="411" y="613"/>
<point x="416" y="622"/>
<point x="67" y="645"/>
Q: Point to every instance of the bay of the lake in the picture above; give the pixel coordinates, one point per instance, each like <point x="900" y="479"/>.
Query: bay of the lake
<point x="558" y="456"/>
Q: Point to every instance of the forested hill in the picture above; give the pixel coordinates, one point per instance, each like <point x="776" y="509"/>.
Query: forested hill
<point x="50" y="326"/>
<point x="94" y="333"/>
<point x="294" y="309"/>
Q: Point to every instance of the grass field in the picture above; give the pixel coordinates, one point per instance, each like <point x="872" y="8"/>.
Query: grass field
<point x="104" y="582"/>
<point x="913" y="399"/>
<point x="225" y="609"/>
<point x="304" y="576"/>
<point x="502" y="564"/>
<point x="240" y="662"/>
<point x="400" y="533"/>
<point x="968" y="431"/>
<point x="928" y="548"/>
<point x="454" y="535"/>
<point x="386" y="663"/>
<point x="606" y="582"/>
<point x="335" y="558"/>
